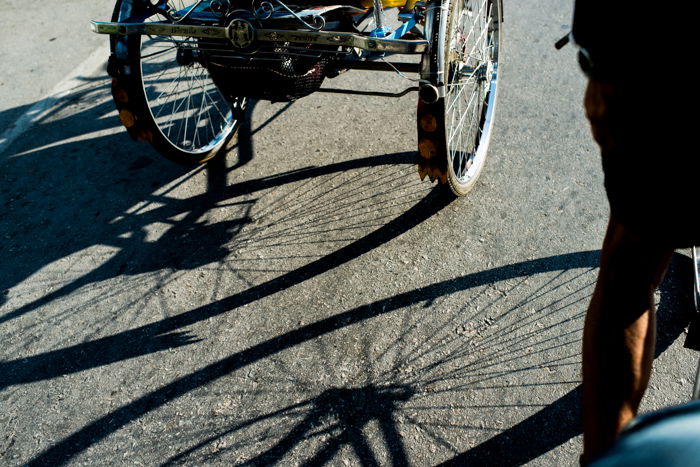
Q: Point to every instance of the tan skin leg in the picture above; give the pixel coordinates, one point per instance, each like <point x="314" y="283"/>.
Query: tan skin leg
<point x="619" y="334"/>
<point x="619" y="331"/>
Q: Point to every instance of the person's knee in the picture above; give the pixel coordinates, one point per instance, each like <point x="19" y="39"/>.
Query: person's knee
<point x="632" y="267"/>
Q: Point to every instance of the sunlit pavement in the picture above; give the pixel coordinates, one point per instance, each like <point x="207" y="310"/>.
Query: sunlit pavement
<point x="306" y="299"/>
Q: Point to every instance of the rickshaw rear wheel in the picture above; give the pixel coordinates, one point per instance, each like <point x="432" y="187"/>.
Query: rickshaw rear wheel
<point x="164" y="93"/>
<point x="454" y="131"/>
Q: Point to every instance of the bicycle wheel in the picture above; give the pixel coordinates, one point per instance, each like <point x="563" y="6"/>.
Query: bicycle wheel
<point x="163" y="91"/>
<point x="455" y="130"/>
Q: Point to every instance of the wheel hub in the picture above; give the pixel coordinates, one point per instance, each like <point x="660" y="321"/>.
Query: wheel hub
<point x="187" y="56"/>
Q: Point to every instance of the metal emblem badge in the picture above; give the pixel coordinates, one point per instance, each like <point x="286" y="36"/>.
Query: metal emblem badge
<point x="241" y="34"/>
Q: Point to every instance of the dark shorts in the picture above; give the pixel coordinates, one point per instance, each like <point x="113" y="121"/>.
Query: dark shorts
<point x="652" y="172"/>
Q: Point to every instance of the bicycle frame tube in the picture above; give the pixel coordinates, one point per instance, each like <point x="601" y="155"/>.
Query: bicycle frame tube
<point x="266" y="35"/>
<point x="435" y="29"/>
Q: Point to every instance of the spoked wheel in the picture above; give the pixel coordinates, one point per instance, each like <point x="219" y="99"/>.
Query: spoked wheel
<point x="164" y="92"/>
<point x="455" y="130"/>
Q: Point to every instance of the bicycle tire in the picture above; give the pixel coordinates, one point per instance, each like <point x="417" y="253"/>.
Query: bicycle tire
<point x="165" y="96"/>
<point x="454" y="131"/>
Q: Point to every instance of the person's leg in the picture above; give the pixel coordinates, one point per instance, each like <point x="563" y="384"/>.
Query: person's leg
<point x="619" y="334"/>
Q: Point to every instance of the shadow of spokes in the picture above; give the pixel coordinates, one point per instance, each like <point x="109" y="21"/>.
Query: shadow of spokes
<point x="68" y="448"/>
<point x="341" y="414"/>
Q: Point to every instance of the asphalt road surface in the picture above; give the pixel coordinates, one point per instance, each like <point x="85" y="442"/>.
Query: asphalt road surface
<point x="305" y="299"/>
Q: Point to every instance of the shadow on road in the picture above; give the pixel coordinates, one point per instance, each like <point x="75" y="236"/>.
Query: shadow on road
<point x="66" y="449"/>
<point x="534" y="436"/>
<point x="88" y="183"/>
<point x="89" y="196"/>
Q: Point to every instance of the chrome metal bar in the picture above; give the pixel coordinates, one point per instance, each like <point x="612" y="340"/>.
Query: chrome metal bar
<point x="368" y="93"/>
<point x="378" y="10"/>
<point x="160" y="29"/>
<point x="345" y="39"/>
<point x="380" y="66"/>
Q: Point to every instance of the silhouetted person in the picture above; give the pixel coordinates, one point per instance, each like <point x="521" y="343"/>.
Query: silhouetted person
<point x="639" y="106"/>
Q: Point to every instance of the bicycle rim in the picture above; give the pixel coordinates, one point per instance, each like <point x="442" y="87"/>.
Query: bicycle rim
<point x="190" y="119"/>
<point x="471" y="84"/>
